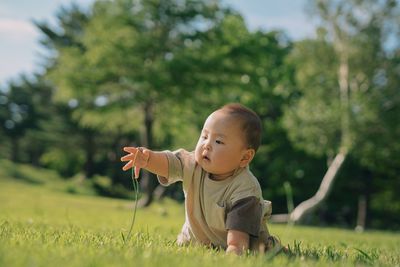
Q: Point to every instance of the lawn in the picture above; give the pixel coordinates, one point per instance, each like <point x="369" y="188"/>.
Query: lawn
<point x="43" y="225"/>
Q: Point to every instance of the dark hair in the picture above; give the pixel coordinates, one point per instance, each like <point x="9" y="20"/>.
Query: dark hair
<point x="251" y="123"/>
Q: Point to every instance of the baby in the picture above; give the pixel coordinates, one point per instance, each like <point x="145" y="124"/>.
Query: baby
<point x="223" y="200"/>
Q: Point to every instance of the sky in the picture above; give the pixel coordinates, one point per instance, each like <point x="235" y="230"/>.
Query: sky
<point x="21" y="52"/>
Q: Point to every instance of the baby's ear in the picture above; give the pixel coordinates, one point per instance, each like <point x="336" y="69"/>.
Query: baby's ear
<point x="247" y="157"/>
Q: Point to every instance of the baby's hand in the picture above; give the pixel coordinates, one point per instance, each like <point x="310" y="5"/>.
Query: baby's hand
<point x="137" y="157"/>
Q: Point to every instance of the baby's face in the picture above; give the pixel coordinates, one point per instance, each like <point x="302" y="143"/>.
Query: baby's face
<point x="221" y="146"/>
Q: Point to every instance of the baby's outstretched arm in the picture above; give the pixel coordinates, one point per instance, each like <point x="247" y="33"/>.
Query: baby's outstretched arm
<point x="140" y="157"/>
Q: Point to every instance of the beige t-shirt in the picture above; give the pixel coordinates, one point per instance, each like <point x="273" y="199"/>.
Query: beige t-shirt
<point x="207" y="201"/>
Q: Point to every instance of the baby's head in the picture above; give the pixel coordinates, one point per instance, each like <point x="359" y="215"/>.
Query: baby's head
<point x="248" y="121"/>
<point x="229" y="140"/>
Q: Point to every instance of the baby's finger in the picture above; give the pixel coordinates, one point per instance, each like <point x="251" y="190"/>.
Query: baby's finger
<point x="141" y="158"/>
<point x="130" y="149"/>
<point x="135" y="157"/>
<point x="128" y="165"/>
<point x="128" y="157"/>
<point x="137" y="171"/>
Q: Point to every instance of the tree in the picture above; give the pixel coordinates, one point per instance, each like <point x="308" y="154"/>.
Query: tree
<point x="22" y="108"/>
<point x="68" y="35"/>
<point x="120" y="73"/>
<point x="336" y="106"/>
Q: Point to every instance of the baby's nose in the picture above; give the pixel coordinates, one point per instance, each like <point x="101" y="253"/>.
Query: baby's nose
<point x="207" y="145"/>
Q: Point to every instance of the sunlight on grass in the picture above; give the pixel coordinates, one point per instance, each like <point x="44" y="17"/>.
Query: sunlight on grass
<point x="41" y="226"/>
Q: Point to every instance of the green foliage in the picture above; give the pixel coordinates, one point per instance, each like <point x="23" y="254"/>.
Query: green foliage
<point x="67" y="164"/>
<point x="344" y="81"/>
<point x="103" y="186"/>
<point x="313" y="119"/>
<point x="125" y="66"/>
<point x="22" y="108"/>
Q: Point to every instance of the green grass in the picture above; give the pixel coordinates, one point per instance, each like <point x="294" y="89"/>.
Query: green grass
<point x="42" y="225"/>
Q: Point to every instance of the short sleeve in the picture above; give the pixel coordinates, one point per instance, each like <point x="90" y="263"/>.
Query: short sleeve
<point x="245" y="216"/>
<point x="179" y="162"/>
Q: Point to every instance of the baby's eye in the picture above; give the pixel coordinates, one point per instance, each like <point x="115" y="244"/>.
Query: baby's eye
<point x="204" y="137"/>
<point x="219" y="142"/>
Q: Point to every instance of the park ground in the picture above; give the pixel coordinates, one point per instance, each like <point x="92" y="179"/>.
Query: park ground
<point x="44" y="222"/>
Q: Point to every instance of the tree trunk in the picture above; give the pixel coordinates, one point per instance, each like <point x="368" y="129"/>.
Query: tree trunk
<point x="363" y="202"/>
<point x="90" y="150"/>
<point x="15" y="149"/>
<point x="314" y="202"/>
<point x="362" y="213"/>
<point x="148" y="181"/>
<point x="326" y="185"/>
<point x="114" y="157"/>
